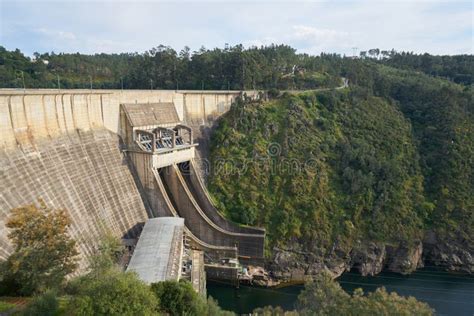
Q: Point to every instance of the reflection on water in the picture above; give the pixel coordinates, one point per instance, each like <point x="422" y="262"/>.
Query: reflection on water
<point x="448" y="293"/>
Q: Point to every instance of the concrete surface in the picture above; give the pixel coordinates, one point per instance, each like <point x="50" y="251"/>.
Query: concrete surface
<point x="158" y="253"/>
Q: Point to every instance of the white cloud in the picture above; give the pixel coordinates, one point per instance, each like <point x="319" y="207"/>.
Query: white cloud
<point x="61" y="35"/>
<point x="315" y="40"/>
<point x="108" y="46"/>
<point x="314" y="34"/>
<point x="268" y="40"/>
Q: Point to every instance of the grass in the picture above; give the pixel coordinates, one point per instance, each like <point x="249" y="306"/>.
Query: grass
<point x="63" y="302"/>
<point x="5" y="306"/>
<point x="19" y="303"/>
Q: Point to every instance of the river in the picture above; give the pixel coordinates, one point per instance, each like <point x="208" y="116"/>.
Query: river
<point x="448" y="293"/>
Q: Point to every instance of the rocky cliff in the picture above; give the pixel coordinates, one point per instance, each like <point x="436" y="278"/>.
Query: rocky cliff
<point x="367" y="258"/>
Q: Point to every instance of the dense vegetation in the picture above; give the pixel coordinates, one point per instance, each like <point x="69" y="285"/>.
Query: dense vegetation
<point x="459" y="69"/>
<point x="389" y="159"/>
<point x="164" y="68"/>
<point x="327" y="169"/>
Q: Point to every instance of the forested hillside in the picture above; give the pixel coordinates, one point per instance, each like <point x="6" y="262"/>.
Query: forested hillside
<point x="459" y="69"/>
<point x="234" y="67"/>
<point x="164" y="68"/>
<point x="390" y="164"/>
<point x="324" y="168"/>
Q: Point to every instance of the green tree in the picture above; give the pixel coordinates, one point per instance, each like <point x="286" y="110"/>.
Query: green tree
<point x="273" y="311"/>
<point x="179" y="298"/>
<point x="324" y="296"/>
<point x="44" y="253"/>
<point x="106" y="256"/>
<point x="213" y="309"/>
<point x="112" y="293"/>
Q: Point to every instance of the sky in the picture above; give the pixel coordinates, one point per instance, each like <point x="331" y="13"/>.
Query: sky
<point x="107" y="26"/>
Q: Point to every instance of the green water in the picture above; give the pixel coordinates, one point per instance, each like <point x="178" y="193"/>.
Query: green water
<point x="447" y="293"/>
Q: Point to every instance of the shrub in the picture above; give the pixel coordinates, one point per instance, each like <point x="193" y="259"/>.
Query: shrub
<point x="45" y="304"/>
<point x="113" y="293"/>
<point x="179" y="298"/>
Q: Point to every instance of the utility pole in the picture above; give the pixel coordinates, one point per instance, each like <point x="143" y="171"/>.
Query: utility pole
<point x="59" y="83"/>
<point x="23" y="79"/>
<point x="354" y="51"/>
<point x="175" y="76"/>
<point x="243" y="74"/>
<point x="274" y="69"/>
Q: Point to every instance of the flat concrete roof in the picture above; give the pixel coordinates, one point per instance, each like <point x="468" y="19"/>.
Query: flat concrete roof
<point x="147" y="114"/>
<point x="157" y="256"/>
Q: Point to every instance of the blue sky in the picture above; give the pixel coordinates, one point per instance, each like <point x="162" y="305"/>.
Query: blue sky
<point x="437" y="27"/>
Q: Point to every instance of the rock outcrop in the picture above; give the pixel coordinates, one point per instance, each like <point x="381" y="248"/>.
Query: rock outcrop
<point x="368" y="259"/>
<point x="455" y="254"/>
<point x="404" y="259"/>
<point x="295" y="264"/>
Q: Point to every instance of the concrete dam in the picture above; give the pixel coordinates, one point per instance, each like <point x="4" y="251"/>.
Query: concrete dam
<point x="114" y="159"/>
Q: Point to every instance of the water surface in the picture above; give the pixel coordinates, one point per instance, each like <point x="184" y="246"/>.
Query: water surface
<point x="448" y="293"/>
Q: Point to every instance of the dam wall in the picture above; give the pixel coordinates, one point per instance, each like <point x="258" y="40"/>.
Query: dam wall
<point x="26" y="116"/>
<point x="64" y="146"/>
<point x="85" y="174"/>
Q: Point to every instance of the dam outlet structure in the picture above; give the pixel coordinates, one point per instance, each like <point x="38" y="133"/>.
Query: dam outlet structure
<point x="115" y="159"/>
<point x="162" y="151"/>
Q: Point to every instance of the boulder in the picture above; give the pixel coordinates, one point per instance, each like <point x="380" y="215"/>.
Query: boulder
<point x="368" y="259"/>
<point x="404" y="258"/>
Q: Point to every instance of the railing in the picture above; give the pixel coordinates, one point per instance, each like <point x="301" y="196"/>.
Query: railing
<point x="163" y="140"/>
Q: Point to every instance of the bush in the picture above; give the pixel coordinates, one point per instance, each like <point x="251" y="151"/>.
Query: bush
<point x="273" y="311"/>
<point x="113" y="293"/>
<point x="273" y="93"/>
<point x="325" y="296"/>
<point x="179" y="298"/>
<point x="45" y="305"/>
<point x="9" y="285"/>
<point x="213" y="309"/>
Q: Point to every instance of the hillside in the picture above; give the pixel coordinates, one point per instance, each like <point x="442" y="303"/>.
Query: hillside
<point x="380" y="174"/>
